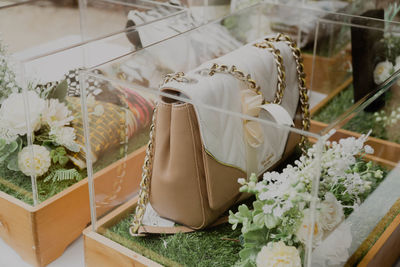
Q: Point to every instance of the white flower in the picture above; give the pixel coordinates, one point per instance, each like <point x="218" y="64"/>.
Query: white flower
<point x="304" y="229"/>
<point x="12" y="112"/>
<point x="65" y="136"/>
<point x="334" y="251"/>
<point x="278" y="255"/>
<point x="331" y="212"/>
<point x="368" y="149"/>
<point x="382" y="71"/>
<point x="241" y="181"/>
<point x="34" y="160"/>
<point x="379" y="174"/>
<point x="7" y="134"/>
<point x="56" y="114"/>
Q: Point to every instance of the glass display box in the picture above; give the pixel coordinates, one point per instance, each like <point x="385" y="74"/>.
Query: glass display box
<point x="369" y="235"/>
<point x="43" y="185"/>
<point x="337" y="183"/>
<point x="360" y="66"/>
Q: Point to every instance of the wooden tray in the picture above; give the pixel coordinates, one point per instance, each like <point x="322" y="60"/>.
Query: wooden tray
<point x="386" y="153"/>
<point x="103" y="252"/>
<point x="41" y="234"/>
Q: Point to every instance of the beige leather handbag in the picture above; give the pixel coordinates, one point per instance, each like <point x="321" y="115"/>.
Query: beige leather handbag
<point x="182" y="179"/>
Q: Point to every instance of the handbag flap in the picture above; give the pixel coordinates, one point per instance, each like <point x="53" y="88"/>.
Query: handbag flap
<point x="223" y="134"/>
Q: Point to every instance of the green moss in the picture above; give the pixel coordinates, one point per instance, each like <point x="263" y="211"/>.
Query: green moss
<point x="218" y="246"/>
<point x="363" y="122"/>
<point x="19" y="186"/>
<point x="336" y="107"/>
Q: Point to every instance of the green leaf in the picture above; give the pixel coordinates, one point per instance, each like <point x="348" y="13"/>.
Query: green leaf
<point x="2" y="144"/>
<point x="13" y="162"/>
<point x="55" y="158"/>
<point x="63" y="160"/>
<point x="271" y="221"/>
<point x="60" y="92"/>
<point x="256" y="237"/>
<point x="4" y="156"/>
<point x="63" y="174"/>
<point x="258" y="205"/>
<point x="233" y="219"/>
<point x="244" y="211"/>
<point x="248" y="254"/>
<point x="61" y="151"/>
<point x="259" y="219"/>
<point x="53" y="153"/>
<point x="13" y="146"/>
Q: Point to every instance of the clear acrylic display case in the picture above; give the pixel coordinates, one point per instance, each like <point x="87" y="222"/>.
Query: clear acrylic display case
<point x="33" y="28"/>
<point x="138" y="75"/>
<point x="368" y="235"/>
<point x="136" y="78"/>
<point x="363" y="56"/>
<point x="43" y="186"/>
<point x="43" y="69"/>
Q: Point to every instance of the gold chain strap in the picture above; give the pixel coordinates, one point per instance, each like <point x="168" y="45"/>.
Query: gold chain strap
<point x="281" y="69"/>
<point x="145" y="182"/>
<point x="215" y="68"/>
<point x="301" y="77"/>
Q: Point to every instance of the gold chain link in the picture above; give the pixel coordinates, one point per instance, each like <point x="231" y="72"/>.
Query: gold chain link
<point x="301" y="77"/>
<point x="238" y="74"/>
<point x="180" y="77"/>
<point x="281" y="69"/>
<point x="145" y="182"/>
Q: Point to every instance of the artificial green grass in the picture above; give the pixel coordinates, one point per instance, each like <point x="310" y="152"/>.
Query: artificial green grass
<point x="218" y="246"/>
<point x="336" y="107"/>
<point x="19" y="186"/>
<point x="362" y="123"/>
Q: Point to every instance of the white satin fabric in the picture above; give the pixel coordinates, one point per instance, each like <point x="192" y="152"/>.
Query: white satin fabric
<point x="223" y="135"/>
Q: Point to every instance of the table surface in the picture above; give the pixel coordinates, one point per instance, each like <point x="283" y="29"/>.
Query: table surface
<point x="73" y="256"/>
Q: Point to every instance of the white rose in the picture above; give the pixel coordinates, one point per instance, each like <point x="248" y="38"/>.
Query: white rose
<point x="278" y="254"/>
<point x="56" y="114"/>
<point x="36" y="163"/>
<point x="12" y="112"/>
<point x="304" y="229"/>
<point x="382" y="71"/>
<point x="331" y="212"/>
<point x="65" y="136"/>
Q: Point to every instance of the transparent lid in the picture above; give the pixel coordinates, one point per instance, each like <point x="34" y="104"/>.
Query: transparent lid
<point x="41" y="127"/>
<point x="191" y="136"/>
<point x="351" y="56"/>
<point x="203" y="117"/>
<point x="33" y="28"/>
<point x="369" y="202"/>
<point x="195" y="114"/>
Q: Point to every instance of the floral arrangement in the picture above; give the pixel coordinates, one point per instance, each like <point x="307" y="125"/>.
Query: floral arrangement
<point x="52" y="137"/>
<point x="387" y="119"/>
<point x="276" y="229"/>
<point x="48" y="119"/>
